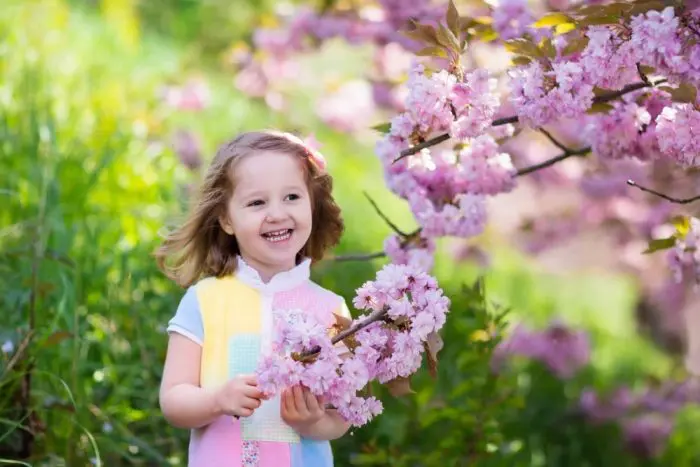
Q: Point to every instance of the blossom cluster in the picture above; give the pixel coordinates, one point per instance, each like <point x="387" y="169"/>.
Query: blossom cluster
<point x="562" y="349"/>
<point x="417" y="253"/>
<point x="646" y="124"/>
<point x="646" y="417"/>
<point x="445" y="188"/>
<point x="404" y="307"/>
<point x="684" y="257"/>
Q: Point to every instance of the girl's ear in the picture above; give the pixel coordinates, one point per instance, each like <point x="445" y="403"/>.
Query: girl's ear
<point x="225" y="224"/>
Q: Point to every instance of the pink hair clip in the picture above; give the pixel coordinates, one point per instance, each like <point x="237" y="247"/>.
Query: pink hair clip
<point x="317" y="159"/>
<point x="310" y="144"/>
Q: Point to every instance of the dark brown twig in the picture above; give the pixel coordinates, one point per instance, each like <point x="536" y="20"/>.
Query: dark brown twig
<point x="359" y="257"/>
<point x="555" y="141"/>
<point x="384" y="217"/>
<point x="661" y="195"/>
<point x="355" y="328"/>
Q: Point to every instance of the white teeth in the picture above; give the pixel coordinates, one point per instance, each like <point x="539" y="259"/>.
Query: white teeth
<point x="278" y="235"/>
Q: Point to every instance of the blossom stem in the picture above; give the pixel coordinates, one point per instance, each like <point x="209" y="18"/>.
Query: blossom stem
<point x="354" y="329"/>
<point x="384" y="217"/>
<point x="661" y="195"/>
<point x="553" y="160"/>
<point x="359" y="257"/>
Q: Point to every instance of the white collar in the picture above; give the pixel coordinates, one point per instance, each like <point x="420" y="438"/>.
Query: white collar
<point x="285" y="280"/>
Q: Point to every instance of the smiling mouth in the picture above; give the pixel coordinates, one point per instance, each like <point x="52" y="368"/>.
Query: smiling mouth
<point x="278" y="235"/>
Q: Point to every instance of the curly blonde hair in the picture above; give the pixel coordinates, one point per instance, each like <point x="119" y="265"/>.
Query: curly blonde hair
<point x="199" y="247"/>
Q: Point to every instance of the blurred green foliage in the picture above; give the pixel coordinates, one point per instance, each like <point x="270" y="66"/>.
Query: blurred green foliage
<point x="87" y="179"/>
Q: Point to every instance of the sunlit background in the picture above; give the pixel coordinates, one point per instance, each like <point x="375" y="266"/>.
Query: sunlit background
<point x="109" y="113"/>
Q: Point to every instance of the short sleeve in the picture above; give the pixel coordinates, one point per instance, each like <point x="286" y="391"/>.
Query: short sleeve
<point x="344" y="311"/>
<point x="188" y="318"/>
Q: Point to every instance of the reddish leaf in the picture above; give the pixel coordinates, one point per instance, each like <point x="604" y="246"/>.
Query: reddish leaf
<point x="57" y="337"/>
<point x="400" y="387"/>
<point x="452" y="18"/>
<point x="575" y="46"/>
<point x="433" y="345"/>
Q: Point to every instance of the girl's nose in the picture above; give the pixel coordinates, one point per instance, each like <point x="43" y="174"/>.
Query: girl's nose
<point x="275" y="213"/>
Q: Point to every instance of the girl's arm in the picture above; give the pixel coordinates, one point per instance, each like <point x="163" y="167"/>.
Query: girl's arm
<point x="183" y="402"/>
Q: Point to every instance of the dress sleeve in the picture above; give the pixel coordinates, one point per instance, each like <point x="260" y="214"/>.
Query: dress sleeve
<point x="188" y="318"/>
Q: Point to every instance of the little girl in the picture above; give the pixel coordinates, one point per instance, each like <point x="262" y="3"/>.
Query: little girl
<point x="264" y="213"/>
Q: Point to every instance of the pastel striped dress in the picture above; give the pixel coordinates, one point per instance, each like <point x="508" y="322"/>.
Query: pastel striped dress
<point x="232" y="319"/>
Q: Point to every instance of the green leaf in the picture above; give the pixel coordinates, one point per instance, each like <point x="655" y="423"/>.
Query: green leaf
<point x="485" y="33"/>
<point x="647" y="70"/>
<point x="553" y="19"/>
<point x="599" y="107"/>
<point x="523" y="47"/>
<point x="599" y="19"/>
<point x="432" y="52"/>
<point x="465" y="23"/>
<point x="598" y="91"/>
<point x="452" y="18"/>
<point x="659" y="244"/>
<point x="682" y="225"/>
<point x="575" y="46"/>
<point x="547" y="48"/>
<point x="422" y="33"/>
<point x="382" y="127"/>
<point x="645" y="6"/>
<point x="563" y="28"/>
<point x="685" y="92"/>
<point x="521" y="60"/>
<point x="448" y="39"/>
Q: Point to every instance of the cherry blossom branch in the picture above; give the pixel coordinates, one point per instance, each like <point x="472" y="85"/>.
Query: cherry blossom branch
<point x="552" y="161"/>
<point x="359" y="257"/>
<point x="352" y="330"/>
<point x="661" y="195"/>
<point x="642" y="75"/>
<point x="425" y="144"/>
<point x="603" y="98"/>
<point x="568" y="152"/>
<point x="384" y="217"/>
<point x="555" y="141"/>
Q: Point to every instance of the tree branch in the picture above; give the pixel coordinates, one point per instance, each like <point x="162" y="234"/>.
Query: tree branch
<point x="359" y="257"/>
<point x="355" y="328"/>
<point x="514" y="119"/>
<point x="661" y="195"/>
<point x="384" y="217"/>
<point x="553" y="160"/>
<point x="425" y="144"/>
<point x="555" y="141"/>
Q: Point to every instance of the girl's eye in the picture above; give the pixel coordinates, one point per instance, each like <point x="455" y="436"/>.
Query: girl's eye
<point x="293" y="197"/>
<point x="257" y="202"/>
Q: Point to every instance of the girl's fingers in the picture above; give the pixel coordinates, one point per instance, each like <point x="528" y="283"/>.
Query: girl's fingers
<point x="250" y="403"/>
<point x="311" y="401"/>
<point x="299" y="400"/>
<point x="284" y="401"/>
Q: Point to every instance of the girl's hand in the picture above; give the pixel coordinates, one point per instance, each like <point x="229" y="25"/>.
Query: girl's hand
<point x="239" y="397"/>
<point x="300" y="408"/>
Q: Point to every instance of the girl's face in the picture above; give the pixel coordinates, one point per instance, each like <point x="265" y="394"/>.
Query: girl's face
<point x="269" y="212"/>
